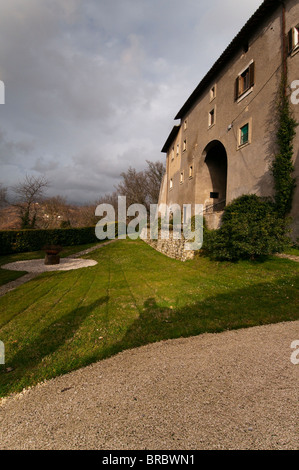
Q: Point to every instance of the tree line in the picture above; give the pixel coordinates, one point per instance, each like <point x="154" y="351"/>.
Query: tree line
<point x="34" y="210"/>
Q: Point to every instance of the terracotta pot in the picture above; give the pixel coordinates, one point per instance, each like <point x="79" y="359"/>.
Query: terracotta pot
<point x="52" y="259"/>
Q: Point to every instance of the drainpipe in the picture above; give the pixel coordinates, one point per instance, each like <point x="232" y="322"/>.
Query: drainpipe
<point x="284" y="48"/>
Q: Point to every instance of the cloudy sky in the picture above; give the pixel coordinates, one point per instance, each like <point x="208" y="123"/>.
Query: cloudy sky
<point x="92" y="86"/>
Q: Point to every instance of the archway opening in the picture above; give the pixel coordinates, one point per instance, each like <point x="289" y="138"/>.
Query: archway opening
<point x="216" y="161"/>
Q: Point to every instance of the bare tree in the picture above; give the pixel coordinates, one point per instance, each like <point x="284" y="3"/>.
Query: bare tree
<point x="139" y="187"/>
<point x="134" y="187"/>
<point x="56" y="212"/>
<point x="142" y="187"/>
<point x="154" y="175"/>
<point x="29" y="193"/>
<point x="3" y="195"/>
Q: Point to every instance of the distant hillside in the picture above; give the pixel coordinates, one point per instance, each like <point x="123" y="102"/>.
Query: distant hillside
<point x="50" y="216"/>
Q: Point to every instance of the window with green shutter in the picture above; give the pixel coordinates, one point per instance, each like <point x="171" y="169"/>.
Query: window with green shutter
<point x="244" y="134"/>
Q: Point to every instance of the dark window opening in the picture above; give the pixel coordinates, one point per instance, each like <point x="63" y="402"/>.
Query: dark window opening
<point x="214" y="195"/>
<point x="245" y="47"/>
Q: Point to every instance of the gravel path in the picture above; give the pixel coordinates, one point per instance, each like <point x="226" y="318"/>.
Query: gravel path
<point x="38" y="265"/>
<point x="292" y="257"/>
<point x="233" y="390"/>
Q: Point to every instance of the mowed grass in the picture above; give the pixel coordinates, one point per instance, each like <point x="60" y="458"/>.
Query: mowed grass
<point x="61" y="321"/>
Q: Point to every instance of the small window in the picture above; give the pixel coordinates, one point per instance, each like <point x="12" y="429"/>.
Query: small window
<point x="245" y="81"/>
<point x="172" y="153"/>
<point x="177" y="149"/>
<point x="185" y="124"/>
<point x="181" y="177"/>
<point x="170" y="184"/>
<point x="185" y="145"/>
<point x="190" y="171"/>
<point x="213" y="92"/>
<point x="244" y="135"/>
<point x="293" y="39"/>
<point x="214" y="195"/>
<point x="212" y="117"/>
<point x="245" y="47"/>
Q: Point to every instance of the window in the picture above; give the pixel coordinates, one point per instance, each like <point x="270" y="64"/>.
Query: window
<point x="170" y="184"/>
<point x="181" y="177"/>
<point x="185" y="124"/>
<point x="245" y="47"/>
<point x="213" y="92"/>
<point x="177" y="150"/>
<point x="212" y="117"/>
<point x="244" y="81"/>
<point x="214" y="195"/>
<point x="293" y="39"/>
<point x="172" y="153"/>
<point x="190" y="171"/>
<point x="244" y="135"/>
<point x="185" y="145"/>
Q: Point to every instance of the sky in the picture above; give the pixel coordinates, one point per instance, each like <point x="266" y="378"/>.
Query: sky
<point x="92" y="86"/>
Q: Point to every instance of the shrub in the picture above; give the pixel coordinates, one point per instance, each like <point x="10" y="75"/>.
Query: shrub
<point x="250" y="229"/>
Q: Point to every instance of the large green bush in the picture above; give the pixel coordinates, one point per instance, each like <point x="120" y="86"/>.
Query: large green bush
<point x="19" y="241"/>
<point x="250" y="229"/>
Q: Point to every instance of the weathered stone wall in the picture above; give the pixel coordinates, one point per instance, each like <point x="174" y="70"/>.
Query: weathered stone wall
<point x="170" y="247"/>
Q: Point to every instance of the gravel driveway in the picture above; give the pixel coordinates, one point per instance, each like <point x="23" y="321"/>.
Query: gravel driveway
<point x="233" y="390"/>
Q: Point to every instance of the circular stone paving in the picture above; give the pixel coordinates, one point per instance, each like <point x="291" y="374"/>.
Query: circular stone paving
<point x="39" y="266"/>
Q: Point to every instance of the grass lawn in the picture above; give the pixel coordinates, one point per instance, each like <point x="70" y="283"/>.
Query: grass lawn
<point x="61" y="321"/>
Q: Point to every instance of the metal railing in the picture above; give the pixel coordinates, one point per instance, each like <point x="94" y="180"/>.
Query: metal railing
<point x="220" y="205"/>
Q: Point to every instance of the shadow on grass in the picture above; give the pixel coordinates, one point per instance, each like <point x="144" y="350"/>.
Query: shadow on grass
<point x="52" y="338"/>
<point x="260" y="304"/>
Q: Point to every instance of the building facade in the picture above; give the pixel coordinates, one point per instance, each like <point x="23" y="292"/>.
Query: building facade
<point x="224" y="142"/>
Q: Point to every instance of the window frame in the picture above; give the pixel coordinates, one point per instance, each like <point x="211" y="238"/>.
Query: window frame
<point x="213" y="93"/>
<point x="212" y="113"/>
<point x="293" y="40"/>
<point x="244" y="135"/>
<point x="241" y="144"/>
<point x="242" y="91"/>
<point x="191" y="167"/>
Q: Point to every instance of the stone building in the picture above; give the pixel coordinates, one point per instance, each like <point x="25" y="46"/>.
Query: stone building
<point x="224" y="142"/>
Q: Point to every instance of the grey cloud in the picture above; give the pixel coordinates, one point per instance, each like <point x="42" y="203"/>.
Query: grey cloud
<point x="92" y="86"/>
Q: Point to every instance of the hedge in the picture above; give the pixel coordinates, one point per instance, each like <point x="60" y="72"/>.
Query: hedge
<point x="20" y="241"/>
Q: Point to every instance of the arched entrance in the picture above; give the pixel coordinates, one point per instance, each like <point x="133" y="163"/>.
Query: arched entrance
<point x="216" y="163"/>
